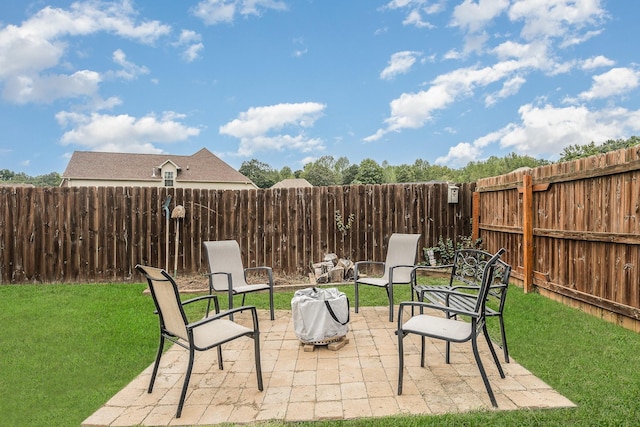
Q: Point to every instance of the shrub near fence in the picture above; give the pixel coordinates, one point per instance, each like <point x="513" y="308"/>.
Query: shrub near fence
<point x="90" y="234"/>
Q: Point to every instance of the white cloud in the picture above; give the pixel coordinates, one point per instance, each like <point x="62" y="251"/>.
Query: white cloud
<point x="597" y="62"/>
<point x="130" y="71"/>
<point x="464" y="152"/>
<point x="415" y="18"/>
<point x="459" y="155"/>
<point x="416" y="10"/>
<point x="192" y="52"/>
<point x="45" y="89"/>
<point x="191" y="42"/>
<point x="213" y="12"/>
<point x="123" y="133"/>
<point x="617" y="81"/>
<point x="413" y="110"/>
<point x="474" y="16"/>
<point x="400" y="63"/>
<point x="256" y="127"/>
<point x="546" y="131"/>
<point x="509" y="88"/>
<point x="27" y="51"/>
<point x="555" y="18"/>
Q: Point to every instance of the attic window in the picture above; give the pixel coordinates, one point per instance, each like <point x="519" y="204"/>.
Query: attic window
<point x="168" y="179"/>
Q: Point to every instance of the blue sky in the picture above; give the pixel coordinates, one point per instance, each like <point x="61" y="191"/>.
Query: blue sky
<point x="288" y="81"/>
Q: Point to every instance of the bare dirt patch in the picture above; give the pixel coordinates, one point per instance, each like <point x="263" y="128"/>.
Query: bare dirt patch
<point x="199" y="282"/>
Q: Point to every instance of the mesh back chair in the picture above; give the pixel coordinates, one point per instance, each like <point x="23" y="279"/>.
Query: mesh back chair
<point x="466" y="275"/>
<point x="205" y="334"/>
<point x="227" y="274"/>
<point x="398" y="267"/>
<point x="451" y="329"/>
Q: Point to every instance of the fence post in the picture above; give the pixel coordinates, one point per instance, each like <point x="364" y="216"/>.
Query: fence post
<point x="475" y="216"/>
<point x="527" y="231"/>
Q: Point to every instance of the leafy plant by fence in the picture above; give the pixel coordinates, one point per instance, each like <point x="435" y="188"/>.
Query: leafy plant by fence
<point x="99" y="234"/>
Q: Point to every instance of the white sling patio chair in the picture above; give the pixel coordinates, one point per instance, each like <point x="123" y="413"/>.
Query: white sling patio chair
<point x="201" y="335"/>
<point x="227" y="274"/>
<point x="450" y="328"/>
<point x="398" y="267"/>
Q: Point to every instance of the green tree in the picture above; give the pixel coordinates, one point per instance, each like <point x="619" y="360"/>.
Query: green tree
<point x="322" y="172"/>
<point x="389" y="173"/>
<point x="495" y="166"/>
<point x="286" y="173"/>
<point x="370" y="172"/>
<point x="349" y="174"/>
<point x="260" y="173"/>
<point x="52" y="179"/>
<point x="405" y="173"/>
<point x="573" y="152"/>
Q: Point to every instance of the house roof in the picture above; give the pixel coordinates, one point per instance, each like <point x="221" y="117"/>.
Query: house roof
<point x="202" y="166"/>
<point x="292" y="183"/>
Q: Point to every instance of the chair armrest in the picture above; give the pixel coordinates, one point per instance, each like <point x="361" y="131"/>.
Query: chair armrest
<point x="363" y="263"/>
<point x="268" y="270"/>
<point x="200" y="298"/>
<point x="205" y="297"/>
<point x="227" y="313"/>
<point x="403" y="266"/>
<point x="434" y="306"/>
<point x="215" y="273"/>
<point x="433" y="267"/>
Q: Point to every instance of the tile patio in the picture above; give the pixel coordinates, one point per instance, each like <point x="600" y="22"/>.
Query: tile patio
<point x="358" y="380"/>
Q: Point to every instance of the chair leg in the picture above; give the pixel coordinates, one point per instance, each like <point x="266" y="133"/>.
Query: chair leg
<point x="504" y="340"/>
<point x="422" y="349"/>
<point x="230" y="306"/>
<point x="447" y="346"/>
<point x="357" y="295"/>
<point x="390" y="295"/>
<point x="256" y="347"/>
<point x="400" y="360"/>
<point x="156" y="364"/>
<point x="474" y="344"/>
<point x="493" y="351"/>
<point x="220" y="363"/>
<point x="187" y="376"/>
<point x="271" y="303"/>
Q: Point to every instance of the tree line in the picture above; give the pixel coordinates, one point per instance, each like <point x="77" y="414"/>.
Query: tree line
<point x="328" y="170"/>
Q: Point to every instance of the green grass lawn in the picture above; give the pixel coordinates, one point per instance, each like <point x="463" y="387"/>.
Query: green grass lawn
<point x="66" y="349"/>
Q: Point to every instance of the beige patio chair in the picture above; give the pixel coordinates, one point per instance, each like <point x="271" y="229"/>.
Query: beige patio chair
<point x="398" y="267"/>
<point x="204" y="334"/>
<point x="227" y="274"/>
<point x="450" y="328"/>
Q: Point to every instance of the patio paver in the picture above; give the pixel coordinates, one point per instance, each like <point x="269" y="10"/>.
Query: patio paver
<point x="359" y="380"/>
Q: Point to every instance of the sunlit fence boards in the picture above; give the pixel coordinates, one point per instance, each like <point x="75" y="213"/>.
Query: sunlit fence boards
<point x="584" y="222"/>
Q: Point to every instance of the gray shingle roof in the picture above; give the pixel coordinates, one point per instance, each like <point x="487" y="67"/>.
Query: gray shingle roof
<point x="202" y="166"/>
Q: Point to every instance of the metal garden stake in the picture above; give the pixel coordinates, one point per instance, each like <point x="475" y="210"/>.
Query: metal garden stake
<point x="177" y="213"/>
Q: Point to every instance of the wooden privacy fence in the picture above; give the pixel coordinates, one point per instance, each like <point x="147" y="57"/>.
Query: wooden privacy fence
<point x="571" y="229"/>
<point x="99" y="234"/>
